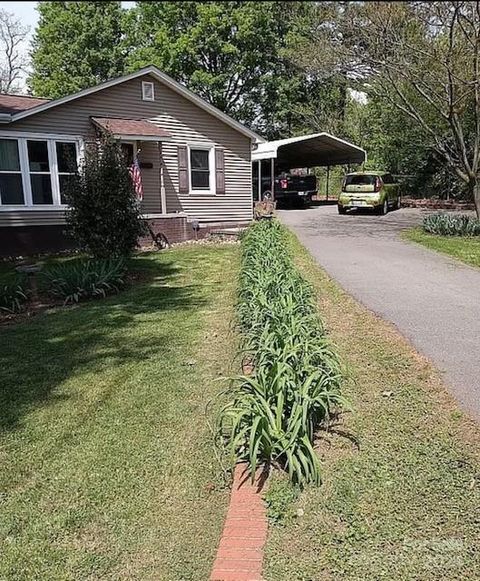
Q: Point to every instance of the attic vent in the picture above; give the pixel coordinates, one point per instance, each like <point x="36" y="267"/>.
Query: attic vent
<point x="147" y="92"/>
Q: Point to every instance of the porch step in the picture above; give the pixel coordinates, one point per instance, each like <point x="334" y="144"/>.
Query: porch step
<point x="226" y="233"/>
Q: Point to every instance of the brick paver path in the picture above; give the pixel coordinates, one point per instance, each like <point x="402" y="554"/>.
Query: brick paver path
<point x="240" y="553"/>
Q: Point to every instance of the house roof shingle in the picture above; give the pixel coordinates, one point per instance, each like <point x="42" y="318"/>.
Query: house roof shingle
<point x="17" y="103"/>
<point x="133" y="127"/>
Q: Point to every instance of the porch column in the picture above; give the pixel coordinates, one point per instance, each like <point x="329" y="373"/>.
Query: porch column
<point x="163" y="194"/>
<point x="259" y="187"/>
<point x="272" y="177"/>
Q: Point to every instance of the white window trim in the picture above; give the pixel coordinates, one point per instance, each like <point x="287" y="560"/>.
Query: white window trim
<point x="212" y="189"/>
<point x="16" y="171"/>
<point x="50" y="138"/>
<point x="144" y="86"/>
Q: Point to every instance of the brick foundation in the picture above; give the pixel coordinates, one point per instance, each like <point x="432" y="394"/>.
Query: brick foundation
<point x="28" y="240"/>
<point x="31" y="240"/>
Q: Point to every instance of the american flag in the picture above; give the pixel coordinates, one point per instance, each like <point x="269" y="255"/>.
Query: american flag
<point x="137" y="178"/>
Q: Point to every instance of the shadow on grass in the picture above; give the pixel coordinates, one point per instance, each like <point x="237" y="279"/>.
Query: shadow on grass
<point x="39" y="355"/>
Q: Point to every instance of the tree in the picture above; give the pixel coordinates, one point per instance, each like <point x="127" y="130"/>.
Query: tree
<point x="230" y="53"/>
<point x="423" y="59"/>
<point x="76" y="45"/>
<point x="14" y="60"/>
<point x="104" y="217"/>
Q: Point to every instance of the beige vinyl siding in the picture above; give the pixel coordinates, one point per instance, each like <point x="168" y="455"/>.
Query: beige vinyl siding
<point x="187" y="124"/>
<point x="31" y="217"/>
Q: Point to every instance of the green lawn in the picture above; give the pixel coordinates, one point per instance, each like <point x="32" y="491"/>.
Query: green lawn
<point x="465" y="249"/>
<point x="401" y="493"/>
<point x="108" y="470"/>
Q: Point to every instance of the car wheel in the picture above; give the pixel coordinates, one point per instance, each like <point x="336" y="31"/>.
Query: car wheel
<point x="341" y="209"/>
<point x="384" y="208"/>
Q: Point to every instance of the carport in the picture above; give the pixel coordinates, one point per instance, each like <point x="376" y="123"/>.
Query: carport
<point x="304" y="151"/>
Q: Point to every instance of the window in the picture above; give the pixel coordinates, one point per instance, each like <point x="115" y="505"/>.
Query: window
<point x="40" y="177"/>
<point x="360" y="180"/>
<point x="148" y="93"/>
<point x="200" y="169"/>
<point x="66" y="165"/>
<point x="34" y="170"/>
<point x="11" y="185"/>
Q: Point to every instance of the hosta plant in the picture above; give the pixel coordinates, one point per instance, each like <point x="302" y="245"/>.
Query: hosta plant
<point x="77" y="280"/>
<point x="446" y="224"/>
<point x="12" y="296"/>
<point x="294" y="384"/>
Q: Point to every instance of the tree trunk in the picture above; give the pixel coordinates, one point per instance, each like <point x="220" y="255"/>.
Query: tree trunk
<point x="475" y="189"/>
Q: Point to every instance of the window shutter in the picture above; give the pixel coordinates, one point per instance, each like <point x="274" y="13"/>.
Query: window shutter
<point x="220" y="171"/>
<point x="182" y="169"/>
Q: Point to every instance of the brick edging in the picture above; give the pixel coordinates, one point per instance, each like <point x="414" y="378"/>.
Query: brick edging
<point x="240" y="552"/>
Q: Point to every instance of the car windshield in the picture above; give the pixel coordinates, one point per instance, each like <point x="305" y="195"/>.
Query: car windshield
<point x="360" y="180"/>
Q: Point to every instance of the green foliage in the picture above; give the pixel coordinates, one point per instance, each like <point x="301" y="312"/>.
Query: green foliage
<point x="77" y="280"/>
<point x="13" y="296"/>
<point x="295" y="382"/>
<point x="451" y="225"/>
<point x="76" y="45"/>
<point x="104" y="216"/>
<point x="233" y="54"/>
<point x="236" y="55"/>
<point x="279" y="498"/>
<point x="396" y="143"/>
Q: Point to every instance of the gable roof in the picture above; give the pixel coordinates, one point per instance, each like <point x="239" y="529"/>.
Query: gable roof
<point x="17" y="103"/>
<point x="159" y="76"/>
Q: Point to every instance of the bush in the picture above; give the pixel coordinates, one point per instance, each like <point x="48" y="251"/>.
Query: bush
<point x="104" y="216"/>
<point x="451" y="225"/>
<point x="295" y="381"/>
<point x="13" y="296"/>
<point x="77" y="280"/>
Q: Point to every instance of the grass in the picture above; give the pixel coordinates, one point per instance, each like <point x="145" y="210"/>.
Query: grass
<point x="107" y="463"/>
<point x="465" y="249"/>
<point x="401" y="473"/>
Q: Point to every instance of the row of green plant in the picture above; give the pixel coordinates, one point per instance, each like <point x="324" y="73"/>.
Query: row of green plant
<point x="71" y="281"/>
<point x="292" y="375"/>
<point x="13" y="295"/>
<point x="446" y="224"/>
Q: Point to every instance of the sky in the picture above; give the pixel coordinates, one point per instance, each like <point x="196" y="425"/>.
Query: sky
<point x="25" y="11"/>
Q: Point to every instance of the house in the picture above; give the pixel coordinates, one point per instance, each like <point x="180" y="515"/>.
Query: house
<point x="195" y="160"/>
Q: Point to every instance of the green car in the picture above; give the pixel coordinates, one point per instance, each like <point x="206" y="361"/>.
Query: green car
<point x="373" y="190"/>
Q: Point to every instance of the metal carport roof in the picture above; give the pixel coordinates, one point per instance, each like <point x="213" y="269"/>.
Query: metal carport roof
<point x="317" y="149"/>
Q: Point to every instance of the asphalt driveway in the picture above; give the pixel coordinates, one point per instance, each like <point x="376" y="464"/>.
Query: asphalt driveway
<point x="433" y="300"/>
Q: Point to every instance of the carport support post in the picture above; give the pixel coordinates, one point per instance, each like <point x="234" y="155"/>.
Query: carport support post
<point x="327" y="184"/>
<point x="272" y="177"/>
